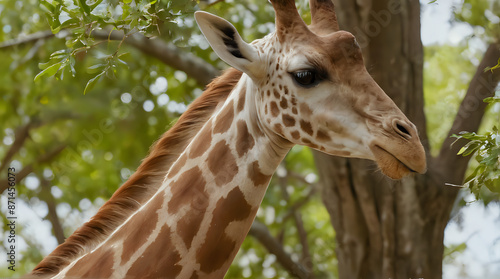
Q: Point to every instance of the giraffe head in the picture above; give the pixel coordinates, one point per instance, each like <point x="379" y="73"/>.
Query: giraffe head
<point x="311" y="88"/>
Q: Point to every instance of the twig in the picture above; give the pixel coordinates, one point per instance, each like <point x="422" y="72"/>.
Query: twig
<point x="454" y="185"/>
<point x="29" y="168"/>
<point x="306" y="256"/>
<point x="27" y="39"/>
<point x="262" y="234"/>
<point x="47" y="197"/>
<point x="297" y="205"/>
<point x="195" y="67"/>
<point x="21" y="135"/>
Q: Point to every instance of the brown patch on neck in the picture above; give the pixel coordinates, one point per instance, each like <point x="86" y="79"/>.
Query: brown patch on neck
<point x="244" y="140"/>
<point x="218" y="248"/>
<point x="256" y="175"/>
<point x="225" y="119"/>
<point x="205" y="139"/>
<point x="165" y="258"/>
<point x="178" y="166"/>
<point x="145" y="181"/>
<point x="189" y="184"/>
<point x="241" y="101"/>
<point x="137" y="230"/>
<point x="94" y="265"/>
<point x="189" y="189"/>
<point x="222" y="163"/>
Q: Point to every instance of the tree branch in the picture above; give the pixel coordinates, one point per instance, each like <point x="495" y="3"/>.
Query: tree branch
<point x="21" y="135"/>
<point x="167" y="53"/>
<point x="47" y="197"/>
<point x="301" y="231"/>
<point x="28" y="39"/>
<point x="298" y="204"/>
<point x="195" y="67"/>
<point x="29" y="168"/>
<point x="470" y="114"/>
<point x="262" y="234"/>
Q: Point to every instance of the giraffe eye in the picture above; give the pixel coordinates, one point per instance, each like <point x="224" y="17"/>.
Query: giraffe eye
<point x="306" y="78"/>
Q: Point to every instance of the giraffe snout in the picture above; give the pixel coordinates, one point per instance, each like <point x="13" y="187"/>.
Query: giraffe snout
<point x="400" y="152"/>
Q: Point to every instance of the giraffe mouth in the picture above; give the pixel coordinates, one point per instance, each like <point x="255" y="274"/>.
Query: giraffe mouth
<point x="389" y="164"/>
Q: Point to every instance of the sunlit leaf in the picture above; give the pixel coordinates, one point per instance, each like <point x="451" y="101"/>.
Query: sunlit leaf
<point x="49" y="71"/>
<point x="92" y="82"/>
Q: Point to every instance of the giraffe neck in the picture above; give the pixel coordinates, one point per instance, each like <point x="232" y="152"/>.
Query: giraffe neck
<point x="195" y="223"/>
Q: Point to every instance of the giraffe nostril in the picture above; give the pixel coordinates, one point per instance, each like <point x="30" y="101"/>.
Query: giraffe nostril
<point x="402" y="129"/>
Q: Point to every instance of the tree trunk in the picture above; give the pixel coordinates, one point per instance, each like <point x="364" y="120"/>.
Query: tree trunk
<point x="385" y="228"/>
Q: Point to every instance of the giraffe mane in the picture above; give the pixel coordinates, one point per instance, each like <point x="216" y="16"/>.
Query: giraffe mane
<point x="142" y="185"/>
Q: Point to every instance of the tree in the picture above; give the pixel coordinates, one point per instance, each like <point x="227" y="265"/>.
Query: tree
<point x="395" y="229"/>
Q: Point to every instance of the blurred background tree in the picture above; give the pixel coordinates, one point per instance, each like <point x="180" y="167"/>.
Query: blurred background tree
<point x="88" y="86"/>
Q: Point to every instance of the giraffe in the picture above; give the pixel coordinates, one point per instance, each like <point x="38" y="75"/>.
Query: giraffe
<point x="189" y="206"/>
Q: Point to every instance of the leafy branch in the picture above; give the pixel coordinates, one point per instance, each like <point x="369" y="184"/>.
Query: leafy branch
<point x="487" y="154"/>
<point x="79" y="19"/>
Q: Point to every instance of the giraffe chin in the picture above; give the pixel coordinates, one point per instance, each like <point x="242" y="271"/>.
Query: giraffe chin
<point x="389" y="164"/>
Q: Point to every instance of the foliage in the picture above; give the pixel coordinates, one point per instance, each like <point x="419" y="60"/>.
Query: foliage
<point x="486" y="148"/>
<point x="482" y="15"/>
<point x="80" y="18"/>
<point x="447" y="71"/>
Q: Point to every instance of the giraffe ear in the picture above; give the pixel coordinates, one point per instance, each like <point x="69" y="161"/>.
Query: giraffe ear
<point x="228" y="44"/>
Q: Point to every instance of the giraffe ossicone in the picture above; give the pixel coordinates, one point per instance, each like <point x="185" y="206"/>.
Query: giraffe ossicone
<point x="189" y="206"/>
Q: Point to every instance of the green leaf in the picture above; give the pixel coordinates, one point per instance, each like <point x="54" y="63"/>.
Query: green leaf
<point x="493" y="184"/>
<point x="73" y="22"/>
<point x="469" y="148"/>
<point x="48" y="7"/>
<point x="59" y="54"/>
<point x="72" y="43"/>
<point x="42" y="66"/>
<point x="96" y="68"/>
<point x="83" y="5"/>
<point x="49" y="71"/>
<point x="491" y="100"/>
<point x="497" y="66"/>
<point x="92" y="82"/>
<point x="72" y="63"/>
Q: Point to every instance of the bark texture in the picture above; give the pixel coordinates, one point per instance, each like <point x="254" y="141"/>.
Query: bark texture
<point x="385" y="228"/>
